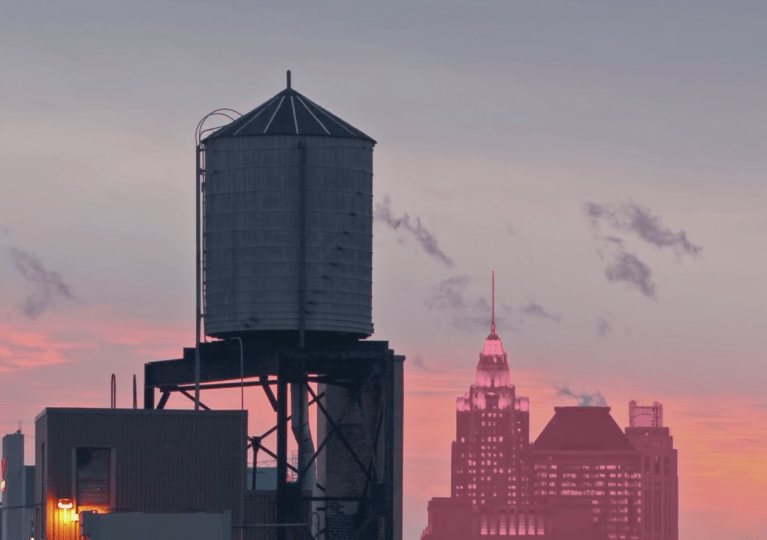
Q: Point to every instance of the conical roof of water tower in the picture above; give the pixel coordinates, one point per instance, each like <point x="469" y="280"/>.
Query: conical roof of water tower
<point x="289" y="113"/>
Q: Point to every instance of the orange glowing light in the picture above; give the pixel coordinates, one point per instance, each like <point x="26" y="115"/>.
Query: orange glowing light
<point x="75" y="516"/>
<point x="65" y="504"/>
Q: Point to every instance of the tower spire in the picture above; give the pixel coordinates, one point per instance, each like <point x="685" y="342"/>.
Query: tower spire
<point x="492" y="321"/>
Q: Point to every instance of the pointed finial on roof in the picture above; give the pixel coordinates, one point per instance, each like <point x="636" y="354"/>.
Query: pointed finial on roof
<point x="288" y="79"/>
<point x="492" y="321"/>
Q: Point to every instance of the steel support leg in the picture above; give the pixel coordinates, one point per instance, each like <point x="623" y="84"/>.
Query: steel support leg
<point x="283" y="500"/>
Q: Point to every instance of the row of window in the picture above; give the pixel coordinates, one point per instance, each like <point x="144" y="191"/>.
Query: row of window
<point x="512" y="524"/>
<point x="542" y="466"/>
<point x="618" y="476"/>
<point x="586" y="475"/>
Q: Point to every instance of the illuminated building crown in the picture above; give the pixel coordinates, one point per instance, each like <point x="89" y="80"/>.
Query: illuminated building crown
<point x="493" y="366"/>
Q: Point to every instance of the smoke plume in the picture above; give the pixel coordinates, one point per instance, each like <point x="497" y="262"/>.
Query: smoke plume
<point x="46" y="286"/>
<point x="426" y="239"/>
<point x="465" y="313"/>
<point x="584" y="400"/>
<point x="536" y="310"/>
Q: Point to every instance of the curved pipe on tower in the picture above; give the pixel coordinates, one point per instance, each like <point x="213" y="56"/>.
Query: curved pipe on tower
<point x="302" y="432"/>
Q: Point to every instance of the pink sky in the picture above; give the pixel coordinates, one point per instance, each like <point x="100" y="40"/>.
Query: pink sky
<point x="496" y="127"/>
<point x="720" y="437"/>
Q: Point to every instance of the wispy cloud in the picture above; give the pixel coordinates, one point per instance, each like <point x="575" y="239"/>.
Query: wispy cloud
<point x="627" y="268"/>
<point x="421" y="365"/>
<point x="584" y="400"/>
<point x="604" y="327"/>
<point x="468" y="313"/>
<point x="427" y="240"/>
<point x="47" y="287"/>
<point x="535" y="310"/>
<point x="614" y="240"/>
<point x="630" y="217"/>
<point x="418" y="361"/>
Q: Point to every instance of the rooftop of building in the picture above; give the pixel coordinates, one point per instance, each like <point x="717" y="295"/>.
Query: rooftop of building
<point x="98" y="411"/>
<point x="289" y="113"/>
<point x="582" y="429"/>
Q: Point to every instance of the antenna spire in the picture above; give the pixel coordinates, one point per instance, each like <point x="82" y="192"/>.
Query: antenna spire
<point x="492" y="321"/>
<point x="288" y="78"/>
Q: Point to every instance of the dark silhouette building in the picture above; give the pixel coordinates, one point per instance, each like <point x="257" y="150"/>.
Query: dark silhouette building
<point x="660" y="481"/>
<point x="492" y="429"/>
<point x="582" y="479"/>
<point x="582" y="454"/>
<point x="18" y="490"/>
<point x="139" y="461"/>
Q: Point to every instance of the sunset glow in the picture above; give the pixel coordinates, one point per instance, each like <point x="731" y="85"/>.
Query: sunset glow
<point x="606" y="159"/>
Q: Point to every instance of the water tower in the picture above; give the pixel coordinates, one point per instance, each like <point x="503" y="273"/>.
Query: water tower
<point x="288" y="225"/>
<point x="284" y="289"/>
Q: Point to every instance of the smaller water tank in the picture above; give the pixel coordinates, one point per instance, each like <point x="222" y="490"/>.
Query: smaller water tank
<point x="288" y="223"/>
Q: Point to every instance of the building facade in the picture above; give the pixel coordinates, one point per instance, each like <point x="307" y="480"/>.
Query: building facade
<point x="660" y="480"/>
<point x="582" y="479"/>
<point x="583" y="454"/>
<point x="136" y="460"/>
<point x="17" y="485"/>
<point x="489" y="454"/>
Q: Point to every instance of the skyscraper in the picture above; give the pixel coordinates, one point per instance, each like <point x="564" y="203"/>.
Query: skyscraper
<point x="660" y="481"/>
<point x="17" y="488"/>
<point x="582" y="479"/>
<point x="582" y="456"/>
<point x="492" y="429"/>
<point x="491" y="482"/>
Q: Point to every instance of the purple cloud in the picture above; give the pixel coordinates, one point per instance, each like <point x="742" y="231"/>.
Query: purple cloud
<point x="466" y="313"/>
<point x="603" y="327"/>
<point x="629" y="269"/>
<point x="536" y="310"/>
<point x="640" y="221"/>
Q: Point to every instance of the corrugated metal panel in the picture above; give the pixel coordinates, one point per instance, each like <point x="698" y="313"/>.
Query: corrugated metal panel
<point x="164" y="461"/>
<point x="141" y="526"/>
<point x="252" y="234"/>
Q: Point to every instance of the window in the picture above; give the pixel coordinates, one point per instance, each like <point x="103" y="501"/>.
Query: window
<point x="93" y="476"/>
